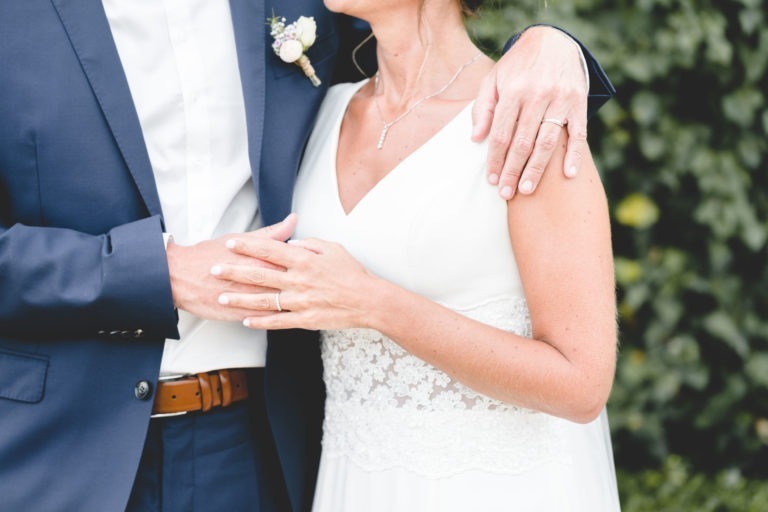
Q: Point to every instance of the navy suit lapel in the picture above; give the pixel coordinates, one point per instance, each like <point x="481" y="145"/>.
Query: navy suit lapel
<point x="88" y="30"/>
<point x="250" y="23"/>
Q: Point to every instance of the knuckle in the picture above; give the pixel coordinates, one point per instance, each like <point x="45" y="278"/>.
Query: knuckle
<point x="544" y="93"/>
<point x="579" y="134"/>
<point x="302" y="257"/>
<point x="254" y="248"/>
<point x="262" y="303"/>
<point x="535" y="169"/>
<point x="495" y="161"/>
<point x="511" y="173"/>
<point x="548" y="142"/>
<point x="256" y="276"/>
<point x="510" y="84"/>
<point x="500" y="136"/>
<point x="522" y="145"/>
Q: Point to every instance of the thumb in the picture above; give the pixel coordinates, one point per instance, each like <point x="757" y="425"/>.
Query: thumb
<point x="280" y="231"/>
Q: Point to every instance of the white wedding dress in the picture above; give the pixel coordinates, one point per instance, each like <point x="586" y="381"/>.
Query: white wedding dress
<point x="399" y="434"/>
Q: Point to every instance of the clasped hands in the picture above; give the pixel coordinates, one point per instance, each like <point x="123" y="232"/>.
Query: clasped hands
<point x="238" y="278"/>
<point x="309" y="284"/>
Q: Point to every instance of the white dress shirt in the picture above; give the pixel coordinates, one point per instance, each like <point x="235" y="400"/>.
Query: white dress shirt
<point x="180" y="60"/>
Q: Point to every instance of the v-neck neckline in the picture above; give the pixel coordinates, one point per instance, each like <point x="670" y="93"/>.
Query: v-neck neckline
<point x="334" y="153"/>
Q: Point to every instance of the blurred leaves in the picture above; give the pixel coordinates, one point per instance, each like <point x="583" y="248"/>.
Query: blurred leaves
<point x="683" y="151"/>
<point x="637" y="211"/>
<point x="675" y="487"/>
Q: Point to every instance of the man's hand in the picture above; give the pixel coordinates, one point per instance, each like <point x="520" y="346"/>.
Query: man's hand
<point x="540" y="77"/>
<point x="197" y="290"/>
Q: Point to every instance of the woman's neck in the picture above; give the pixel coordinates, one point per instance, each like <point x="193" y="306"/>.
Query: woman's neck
<point x="419" y="57"/>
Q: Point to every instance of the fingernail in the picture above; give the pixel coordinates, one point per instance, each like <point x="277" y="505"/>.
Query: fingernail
<point x="230" y="244"/>
<point x="216" y="270"/>
<point x="223" y="299"/>
<point x="493" y="179"/>
<point x="506" y="192"/>
<point x="571" y="172"/>
<point x="247" y="322"/>
<point x="526" y="187"/>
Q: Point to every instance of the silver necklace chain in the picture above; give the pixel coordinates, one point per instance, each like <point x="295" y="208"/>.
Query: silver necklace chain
<point x="389" y="124"/>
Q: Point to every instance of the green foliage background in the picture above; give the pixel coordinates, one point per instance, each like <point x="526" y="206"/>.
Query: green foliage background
<point x="683" y="151"/>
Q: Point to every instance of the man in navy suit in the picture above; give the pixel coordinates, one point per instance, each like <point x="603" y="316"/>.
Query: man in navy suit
<point x="134" y="137"/>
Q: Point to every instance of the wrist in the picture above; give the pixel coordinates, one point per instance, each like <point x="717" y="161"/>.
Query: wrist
<point x="380" y="298"/>
<point x="542" y="31"/>
<point x="393" y="307"/>
<point x="548" y="31"/>
<point x="173" y="254"/>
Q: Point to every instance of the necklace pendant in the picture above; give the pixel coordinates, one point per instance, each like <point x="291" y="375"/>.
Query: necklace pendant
<point x="382" y="137"/>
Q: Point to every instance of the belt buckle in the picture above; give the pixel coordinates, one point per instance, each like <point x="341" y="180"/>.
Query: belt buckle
<point x="170" y="378"/>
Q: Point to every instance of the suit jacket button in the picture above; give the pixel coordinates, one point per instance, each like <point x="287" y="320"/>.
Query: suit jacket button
<point x="143" y="390"/>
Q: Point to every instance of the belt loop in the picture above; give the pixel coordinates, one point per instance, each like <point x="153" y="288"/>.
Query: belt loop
<point x="206" y="393"/>
<point x="226" y="387"/>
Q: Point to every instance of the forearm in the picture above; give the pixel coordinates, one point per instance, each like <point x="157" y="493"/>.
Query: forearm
<point x="59" y="282"/>
<point x="503" y="365"/>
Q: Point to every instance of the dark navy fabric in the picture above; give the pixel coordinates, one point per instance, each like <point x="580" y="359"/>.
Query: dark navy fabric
<point x="85" y="297"/>
<point x="199" y="462"/>
<point x="223" y="459"/>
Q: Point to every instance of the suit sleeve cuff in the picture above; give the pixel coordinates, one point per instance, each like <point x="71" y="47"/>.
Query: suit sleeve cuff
<point x="583" y="59"/>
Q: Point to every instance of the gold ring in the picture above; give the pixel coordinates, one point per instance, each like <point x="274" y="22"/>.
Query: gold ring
<point x="554" y="121"/>
<point x="277" y="301"/>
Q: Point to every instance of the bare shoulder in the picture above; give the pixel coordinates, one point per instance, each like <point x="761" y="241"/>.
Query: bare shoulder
<point x="566" y="198"/>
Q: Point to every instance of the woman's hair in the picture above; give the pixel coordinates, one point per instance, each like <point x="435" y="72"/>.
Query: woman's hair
<point x="470" y="7"/>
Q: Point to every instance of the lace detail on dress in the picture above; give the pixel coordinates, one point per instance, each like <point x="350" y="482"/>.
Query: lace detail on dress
<point x="386" y="408"/>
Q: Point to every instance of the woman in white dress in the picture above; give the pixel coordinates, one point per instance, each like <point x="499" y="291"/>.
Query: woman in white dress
<point x="468" y="342"/>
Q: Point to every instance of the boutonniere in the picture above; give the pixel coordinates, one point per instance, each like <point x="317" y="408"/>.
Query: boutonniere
<point x="292" y="40"/>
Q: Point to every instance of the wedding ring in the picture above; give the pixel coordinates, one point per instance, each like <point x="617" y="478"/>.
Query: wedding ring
<point x="554" y="121"/>
<point x="277" y="301"/>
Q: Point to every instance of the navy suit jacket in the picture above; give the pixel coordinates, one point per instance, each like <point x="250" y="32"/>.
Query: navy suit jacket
<point x="85" y="298"/>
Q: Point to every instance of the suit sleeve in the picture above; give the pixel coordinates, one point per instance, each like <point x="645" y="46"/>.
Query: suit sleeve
<point x="58" y="282"/>
<point x="600" y="87"/>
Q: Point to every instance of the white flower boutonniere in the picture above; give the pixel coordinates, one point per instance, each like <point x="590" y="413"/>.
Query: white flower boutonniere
<point x="291" y="41"/>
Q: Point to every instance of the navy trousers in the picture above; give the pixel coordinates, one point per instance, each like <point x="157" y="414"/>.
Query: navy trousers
<point x="223" y="459"/>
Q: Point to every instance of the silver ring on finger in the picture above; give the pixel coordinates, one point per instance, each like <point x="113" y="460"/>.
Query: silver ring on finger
<point x="277" y="301"/>
<point x="552" y="120"/>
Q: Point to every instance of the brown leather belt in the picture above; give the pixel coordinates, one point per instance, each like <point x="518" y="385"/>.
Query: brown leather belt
<point x="200" y="392"/>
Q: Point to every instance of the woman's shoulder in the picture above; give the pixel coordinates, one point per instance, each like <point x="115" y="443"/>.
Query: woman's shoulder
<point x="340" y="94"/>
<point x="336" y="100"/>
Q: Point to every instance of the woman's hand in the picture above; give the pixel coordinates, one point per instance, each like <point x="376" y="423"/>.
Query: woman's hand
<point x="322" y="286"/>
<point x="540" y="77"/>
